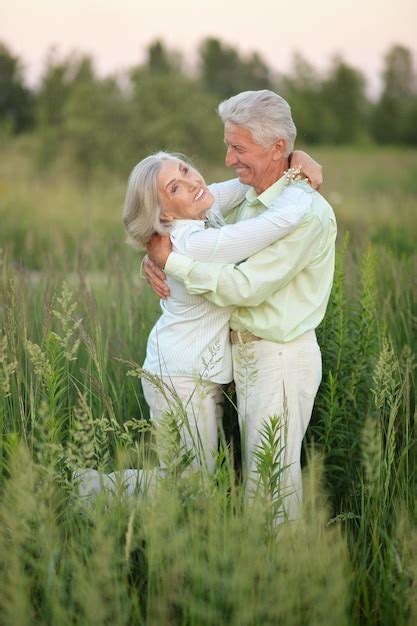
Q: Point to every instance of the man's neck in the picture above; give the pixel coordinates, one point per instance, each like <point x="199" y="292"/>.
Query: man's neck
<point x="270" y="178"/>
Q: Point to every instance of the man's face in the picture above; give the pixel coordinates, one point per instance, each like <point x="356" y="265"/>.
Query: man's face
<point x="254" y="164"/>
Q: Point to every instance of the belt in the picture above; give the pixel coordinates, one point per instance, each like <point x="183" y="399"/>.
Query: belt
<point x="243" y="336"/>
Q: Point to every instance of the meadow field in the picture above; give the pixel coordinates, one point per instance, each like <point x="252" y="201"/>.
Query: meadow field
<point x="74" y="319"/>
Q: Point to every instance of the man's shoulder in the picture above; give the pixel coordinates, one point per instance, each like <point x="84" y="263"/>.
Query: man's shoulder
<point x="320" y="207"/>
<point x="324" y="209"/>
<point x="300" y="195"/>
<point x="296" y="193"/>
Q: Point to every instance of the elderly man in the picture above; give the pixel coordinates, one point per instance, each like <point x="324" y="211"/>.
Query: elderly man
<point x="280" y="294"/>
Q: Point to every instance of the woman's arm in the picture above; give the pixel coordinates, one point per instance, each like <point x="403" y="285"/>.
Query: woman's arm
<point x="236" y="242"/>
<point x="230" y="193"/>
<point x="311" y="169"/>
<point x="227" y="195"/>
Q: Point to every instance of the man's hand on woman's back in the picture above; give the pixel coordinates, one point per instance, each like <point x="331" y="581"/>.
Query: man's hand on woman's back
<point x="159" y="248"/>
<point x="155" y="277"/>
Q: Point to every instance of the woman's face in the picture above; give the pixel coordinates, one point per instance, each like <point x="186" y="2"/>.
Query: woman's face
<point x="182" y="191"/>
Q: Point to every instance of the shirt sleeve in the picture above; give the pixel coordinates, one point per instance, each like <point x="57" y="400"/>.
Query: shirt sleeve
<point x="252" y="282"/>
<point x="236" y="242"/>
<point x="227" y="195"/>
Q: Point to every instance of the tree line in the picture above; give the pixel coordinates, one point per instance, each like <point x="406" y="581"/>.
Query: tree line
<point x="112" y="121"/>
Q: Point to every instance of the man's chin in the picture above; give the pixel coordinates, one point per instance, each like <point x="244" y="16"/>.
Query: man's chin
<point x="244" y="178"/>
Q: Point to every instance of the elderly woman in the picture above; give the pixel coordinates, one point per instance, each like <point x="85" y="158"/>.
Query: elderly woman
<point x="188" y="354"/>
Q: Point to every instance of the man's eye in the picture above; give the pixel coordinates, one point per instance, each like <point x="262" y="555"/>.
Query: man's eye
<point x="185" y="170"/>
<point x="174" y="188"/>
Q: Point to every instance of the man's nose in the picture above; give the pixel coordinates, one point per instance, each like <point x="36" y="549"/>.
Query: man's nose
<point x="230" y="158"/>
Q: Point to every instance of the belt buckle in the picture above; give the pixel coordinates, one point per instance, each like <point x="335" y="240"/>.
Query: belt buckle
<point x="242" y="336"/>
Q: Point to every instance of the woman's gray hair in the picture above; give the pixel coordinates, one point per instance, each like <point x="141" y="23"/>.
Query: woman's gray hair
<point x="264" y="113"/>
<point x="142" y="208"/>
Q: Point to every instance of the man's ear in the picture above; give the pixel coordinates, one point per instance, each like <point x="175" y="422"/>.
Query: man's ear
<point x="279" y="149"/>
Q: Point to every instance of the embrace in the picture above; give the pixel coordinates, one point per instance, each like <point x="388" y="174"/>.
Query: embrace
<point x="244" y="270"/>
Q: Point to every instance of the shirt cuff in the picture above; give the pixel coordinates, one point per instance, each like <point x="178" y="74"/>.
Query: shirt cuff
<point x="178" y="266"/>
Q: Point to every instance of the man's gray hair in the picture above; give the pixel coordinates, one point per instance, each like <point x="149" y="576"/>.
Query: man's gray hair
<point x="264" y="113"/>
<point x="142" y="208"/>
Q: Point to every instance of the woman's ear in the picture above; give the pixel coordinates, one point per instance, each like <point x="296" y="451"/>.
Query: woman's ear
<point x="166" y="216"/>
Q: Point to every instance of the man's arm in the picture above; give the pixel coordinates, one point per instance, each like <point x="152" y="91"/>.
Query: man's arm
<point x="252" y="282"/>
<point x="154" y="276"/>
<point x="229" y="244"/>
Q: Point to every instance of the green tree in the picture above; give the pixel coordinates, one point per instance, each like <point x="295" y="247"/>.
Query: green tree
<point x="303" y="90"/>
<point x="343" y="94"/>
<point x="54" y="90"/>
<point x="81" y="116"/>
<point x="16" y="100"/>
<point x="394" y="114"/>
<point x="95" y="126"/>
<point x="58" y="80"/>
<point x="172" y="112"/>
<point x="225" y="73"/>
<point x="162" y="61"/>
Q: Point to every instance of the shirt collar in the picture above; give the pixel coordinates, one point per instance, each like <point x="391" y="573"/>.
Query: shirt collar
<point x="184" y="222"/>
<point x="269" y="195"/>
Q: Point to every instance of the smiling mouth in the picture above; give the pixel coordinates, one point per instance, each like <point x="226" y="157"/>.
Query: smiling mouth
<point x="199" y="195"/>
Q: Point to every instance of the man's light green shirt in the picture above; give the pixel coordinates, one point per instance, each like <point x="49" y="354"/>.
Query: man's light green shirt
<point x="281" y="292"/>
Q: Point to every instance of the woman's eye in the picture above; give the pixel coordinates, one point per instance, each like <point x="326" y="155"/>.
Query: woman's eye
<point x="185" y="170"/>
<point x="174" y="188"/>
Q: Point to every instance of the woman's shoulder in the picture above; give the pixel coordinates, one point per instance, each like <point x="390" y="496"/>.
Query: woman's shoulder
<point x="182" y="229"/>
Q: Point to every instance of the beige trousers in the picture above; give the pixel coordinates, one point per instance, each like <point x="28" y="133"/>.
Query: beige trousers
<point x="197" y="405"/>
<point x="277" y="379"/>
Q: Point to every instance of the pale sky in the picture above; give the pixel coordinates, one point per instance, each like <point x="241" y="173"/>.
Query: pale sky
<point x="116" y="32"/>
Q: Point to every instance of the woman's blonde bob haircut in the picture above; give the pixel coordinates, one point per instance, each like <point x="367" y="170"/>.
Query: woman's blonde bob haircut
<point x="142" y="208"/>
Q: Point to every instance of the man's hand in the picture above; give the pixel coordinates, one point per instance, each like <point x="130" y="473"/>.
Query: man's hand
<point x="159" y="248"/>
<point x="310" y="167"/>
<point x="156" y="278"/>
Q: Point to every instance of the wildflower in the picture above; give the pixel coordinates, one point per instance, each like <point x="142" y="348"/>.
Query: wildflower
<point x="65" y="314"/>
<point x="6" y="369"/>
<point x="294" y="174"/>
<point x="39" y="360"/>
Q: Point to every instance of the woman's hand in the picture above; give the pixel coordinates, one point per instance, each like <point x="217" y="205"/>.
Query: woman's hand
<point x="310" y="167"/>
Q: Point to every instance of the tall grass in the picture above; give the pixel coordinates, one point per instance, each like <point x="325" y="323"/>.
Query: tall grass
<point x="195" y="552"/>
<point x="190" y="549"/>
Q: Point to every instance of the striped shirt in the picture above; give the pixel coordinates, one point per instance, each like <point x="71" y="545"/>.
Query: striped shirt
<point x="191" y="338"/>
<point x="282" y="292"/>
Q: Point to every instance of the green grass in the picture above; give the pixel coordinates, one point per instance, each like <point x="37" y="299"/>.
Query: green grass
<point x="74" y="319"/>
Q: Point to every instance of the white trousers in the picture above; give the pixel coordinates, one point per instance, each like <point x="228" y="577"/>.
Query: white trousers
<point x="129" y="482"/>
<point x="198" y="407"/>
<point x="277" y="379"/>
